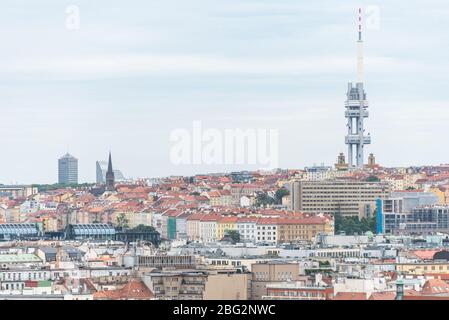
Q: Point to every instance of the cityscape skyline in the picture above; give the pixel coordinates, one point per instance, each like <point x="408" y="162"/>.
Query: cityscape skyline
<point x="258" y="169"/>
<point x="233" y="72"/>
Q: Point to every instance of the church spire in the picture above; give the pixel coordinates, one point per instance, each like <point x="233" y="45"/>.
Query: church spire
<point x="110" y="163"/>
<point x="110" y="179"/>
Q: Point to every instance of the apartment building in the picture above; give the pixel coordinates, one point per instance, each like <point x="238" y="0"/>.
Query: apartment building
<point x="208" y="227"/>
<point x="15" y="279"/>
<point x="135" y="218"/>
<point x="17" y="191"/>
<point x="193" y="226"/>
<point x="181" y="225"/>
<point x="442" y="192"/>
<point x="345" y="197"/>
<point x="271" y="272"/>
<point x="396" y="182"/>
<point x="242" y="189"/>
<point x="226" y="223"/>
<point x="169" y="223"/>
<point x="246" y="226"/>
<point x="423" y="267"/>
<point x="227" y="285"/>
<point x="298" y="291"/>
<point x="266" y="231"/>
<point x="293" y="229"/>
<point x="166" y="261"/>
<point x="219" y="198"/>
<point x="171" y="285"/>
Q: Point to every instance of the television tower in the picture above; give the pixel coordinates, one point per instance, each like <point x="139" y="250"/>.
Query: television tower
<point x="357" y="108"/>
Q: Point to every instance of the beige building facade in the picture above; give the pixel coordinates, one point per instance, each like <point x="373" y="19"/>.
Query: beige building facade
<point x="271" y="272"/>
<point x="346" y="197"/>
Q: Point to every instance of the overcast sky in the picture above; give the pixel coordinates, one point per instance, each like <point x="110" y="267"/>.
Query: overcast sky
<point x="136" y="70"/>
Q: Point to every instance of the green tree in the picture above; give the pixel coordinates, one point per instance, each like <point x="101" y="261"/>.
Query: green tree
<point x="263" y="200"/>
<point x="122" y="221"/>
<point x="233" y="234"/>
<point x="55" y="186"/>
<point x="372" y="179"/>
<point x="353" y="225"/>
<point x="280" y="193"/>
<point x="143" y="228"/>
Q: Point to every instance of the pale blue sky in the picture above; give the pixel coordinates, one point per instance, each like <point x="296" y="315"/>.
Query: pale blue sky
<point x="136" y="70"/>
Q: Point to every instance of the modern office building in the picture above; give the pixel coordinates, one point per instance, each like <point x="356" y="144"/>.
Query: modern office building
<point x="101" y="168"/>
<point x="338" y="196"/>
<point x="412" y="213"/>
<point x="427" y="220"/>
<point x="318" y="173"/>
<point x="68" y="169"/>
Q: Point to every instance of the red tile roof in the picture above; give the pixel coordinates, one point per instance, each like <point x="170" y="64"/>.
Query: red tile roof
<point x="350" y="296"/>
<point x="228" y="220"/>
<point x="210" y="217"/>
<point x="133" y="290"/>
<point x="387" y="295"/>
<point x="424" y="254"/>
<point x="435" y="287"/>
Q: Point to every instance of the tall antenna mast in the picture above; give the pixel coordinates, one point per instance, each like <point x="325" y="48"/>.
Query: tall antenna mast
<point x="359" y="48"/>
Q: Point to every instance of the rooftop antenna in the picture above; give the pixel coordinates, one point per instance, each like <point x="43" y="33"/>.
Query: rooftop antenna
<point x="359" y="48"/>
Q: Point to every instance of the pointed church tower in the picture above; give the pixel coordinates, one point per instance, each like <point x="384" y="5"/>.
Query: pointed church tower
<point x="110" y="176"/>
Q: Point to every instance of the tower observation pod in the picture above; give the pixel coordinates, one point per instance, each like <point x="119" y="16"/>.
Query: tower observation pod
<point x="357" y="108"/>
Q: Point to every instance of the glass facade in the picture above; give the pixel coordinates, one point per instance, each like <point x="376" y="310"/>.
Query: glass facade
<point x="68" y="169"/>
<point x="17" y="230"/>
